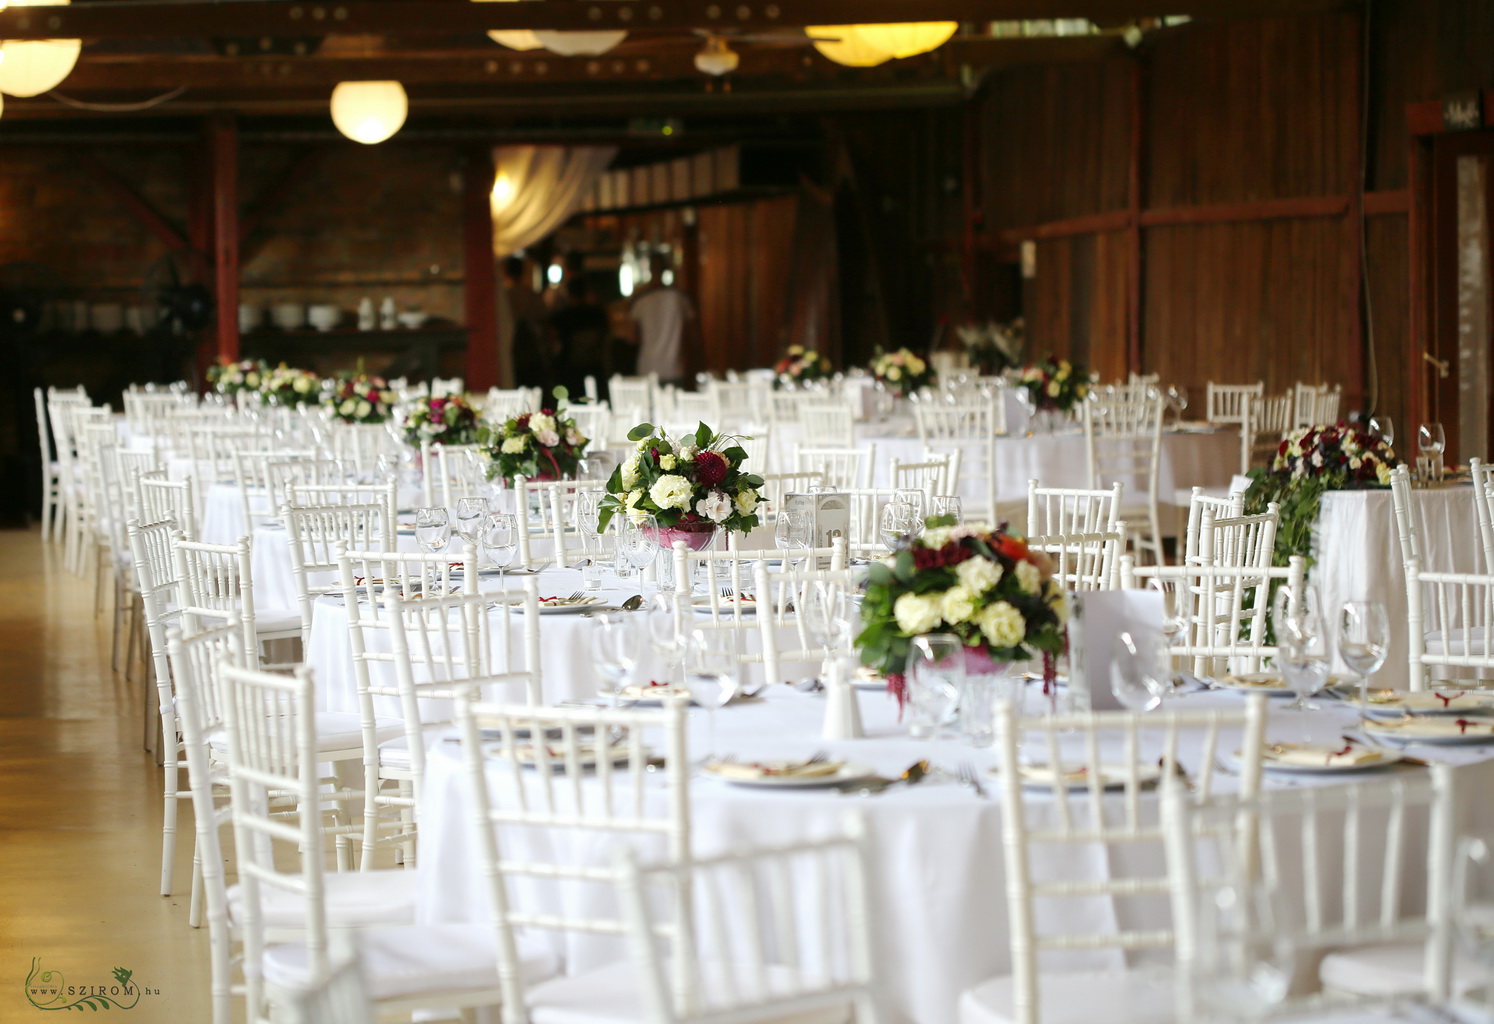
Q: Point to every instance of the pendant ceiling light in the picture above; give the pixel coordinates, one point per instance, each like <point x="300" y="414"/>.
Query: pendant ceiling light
<point x="717" y="58"/>
<point x="32" y="67"/>
<point x="908" y="38"/>
<point x="369" y="112"/>
<point x="567" y="44"/>
<point x="844" y="45"/>
<point x="514" y="38"/>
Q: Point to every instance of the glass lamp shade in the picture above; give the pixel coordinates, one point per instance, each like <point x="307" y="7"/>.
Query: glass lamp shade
<point x="516" y="39"/>
<point x="909" y="38"/>
<point x="32" y="67"/>
<point x="369" y="112"/>
<point x="717" y="58"/>
<point x="579" y="44"/>
<point x="844" y="45"/>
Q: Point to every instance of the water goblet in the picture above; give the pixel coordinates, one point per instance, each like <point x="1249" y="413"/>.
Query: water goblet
<point x="793" y="527"/>
<point x="666" y="633"/>
<point x="1431" y="441"/>
<point x="947" y="506"/>
<point x="638" y="542"/>
<point x="896" y="525"/>
<point x="1303" y="656"/>
<point x="711" y="677"/>
<point x="823" y="607"/>
<point x="1363" y="640"/>
<point x="1473" y="904"/>
<point x="1381" y="425"/>
<point x="432" y="530"/>
<point x="469" y="516"/>
<point x="1140" y="670"/>
<point x="936" y="674"/>
<point x="615" y="649"/>
<point x="500" y="538"/>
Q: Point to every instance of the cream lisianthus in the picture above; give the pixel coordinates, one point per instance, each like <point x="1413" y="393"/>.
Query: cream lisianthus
<point x="346" y="408"/>
<point x="1002" y="624"/>
<point x="1029" y="577"/>
<point x="668" y="462"/>
<point x="978" y="574"/>
<point x="916" y="614"/>
<point x="671" y="491"/>
<point x="542" y="424"/>
<point x="512" y="445"/>
<point x="895" y="373"/>
<point x="630" y="472"/>
<point x="1057" y="600"/>
<point x="747" y="501"/>
<point x="364" y="408"/>
<point x="957" y="605"/>
<point x="1054" y="388"/>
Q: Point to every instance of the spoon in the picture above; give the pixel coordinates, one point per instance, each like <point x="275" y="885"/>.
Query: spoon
<point x="633" y="603"/>
<point x="912" y="776"/>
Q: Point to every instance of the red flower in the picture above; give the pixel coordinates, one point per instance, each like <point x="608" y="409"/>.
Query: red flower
<point x="1010" y="547"/>
<point x="522" y="422"/>
<point x="940" y="558"/>
<point x="711" y="468"/>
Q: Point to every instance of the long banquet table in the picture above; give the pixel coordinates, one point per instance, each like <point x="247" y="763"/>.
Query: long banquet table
<point x="937" y="880"/>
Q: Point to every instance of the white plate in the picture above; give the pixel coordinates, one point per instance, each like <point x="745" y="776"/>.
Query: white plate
<point x="1385" y="759"/>
<point x="644" y="697"/>
<point x="849" y="772"/>
<point x="1269" y="683"/>
<point x="1424" y="702"/>
<point x="586" y="756"/>
<point x="1112" y="776"/>
<point x="1432" y="729"/>
<point x="727" y="605"/>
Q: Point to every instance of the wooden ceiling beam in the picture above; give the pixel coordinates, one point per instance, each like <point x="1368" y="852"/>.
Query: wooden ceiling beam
<point x="164" y="19"/>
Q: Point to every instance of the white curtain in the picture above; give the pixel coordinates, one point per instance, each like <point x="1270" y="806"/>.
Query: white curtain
<point x="537" y="188"/>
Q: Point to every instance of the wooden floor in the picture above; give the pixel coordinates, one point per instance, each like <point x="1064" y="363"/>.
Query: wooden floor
<point x="80" y="815"/>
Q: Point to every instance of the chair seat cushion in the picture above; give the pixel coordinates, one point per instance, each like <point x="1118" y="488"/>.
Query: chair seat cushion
<point x="395" y="753"/>
<point x="1127" y="997"/>
<point x="1394" y="968"/>
<point x="613" y="995"/>
<point x="411" y="959"/>
<point x="277" y="620"/>
<point x="335" y="730"/>
<point x="355" y="899"/>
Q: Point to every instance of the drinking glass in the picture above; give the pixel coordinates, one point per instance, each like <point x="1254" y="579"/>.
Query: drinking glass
<point x="1287" y="606"/>
<point x="1363" y="639"/>
<point x="638" y="538"/>
<point x="1382" y="427"/>
<point x="824" y="610"/>
<point x="947" y="505"/>
<point x="1431" y="441"/>
<point x="915" y="498"/>
<point x="1303" y="656"/>
<point x="500" y="538"/>
<point x="1243" y="964"/>
<point x="1140" y="671"/>
<point x="432" y="530"/>
<point x="936" y="674"/>
<point x="665" y="631"/>
<point x="711" y="677"/>
<point x="470" y="512"/>
<point x="792" y="528"/>
<point x="1473" y="904"/>
<point x="615" y="648"/>
<point x="1177" y="401"/>
<point x="896" y="525"/>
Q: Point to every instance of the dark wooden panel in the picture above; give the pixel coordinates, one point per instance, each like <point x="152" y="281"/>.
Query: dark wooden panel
<point x="1389" y="317"/>
<point x="1077" y="302"/>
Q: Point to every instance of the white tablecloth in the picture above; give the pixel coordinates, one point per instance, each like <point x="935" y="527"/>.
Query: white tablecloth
<point x="938" y="871"/>
<point x="1358" y="556"/>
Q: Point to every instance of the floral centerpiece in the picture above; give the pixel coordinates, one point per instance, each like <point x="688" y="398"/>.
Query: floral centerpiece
<point x="1055" y="385"/>
<point x="450" y="420"/>
<point x="993" y="348"/>
<point x="903" y="371"/>
<point x="360" y="398"/>
<point x="692" y="487"/>
<point x="542" y="445"/>
<point x="984" y="585"/>
<point x="1307" y="463"/>
<point x="801" y="365"/>
<point x="285" y="385"/>
<point x="232" y="378"/>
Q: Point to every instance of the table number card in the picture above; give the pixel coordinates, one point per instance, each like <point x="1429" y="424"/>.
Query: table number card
<point x="830" y="513"/>
<point x="1097" y="618"/>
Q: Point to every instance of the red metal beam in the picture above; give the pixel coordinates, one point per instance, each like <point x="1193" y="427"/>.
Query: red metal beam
<point x="1265" y="209"/>
<point x="133" y="201"/>
<point x="1134" y="240"/>
<point x="1094" y="224"/>
<point x="480" y="295"/>
<point x="1379" y="203"/>
<point x="223" y="144"/>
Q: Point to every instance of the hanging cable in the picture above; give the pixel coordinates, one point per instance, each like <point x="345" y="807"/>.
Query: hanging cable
<point x="1372" y="364"/>
<point x="118" y="108"/>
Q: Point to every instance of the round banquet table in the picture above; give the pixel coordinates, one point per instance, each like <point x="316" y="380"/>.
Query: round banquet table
<point x="937" y="876"/>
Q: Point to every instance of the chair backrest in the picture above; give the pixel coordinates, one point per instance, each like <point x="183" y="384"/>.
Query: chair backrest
<point x="978" y="418"/>
<point x="155" y="578"/>
<point x="594" y="421"/>
<point x="43" y="428"/>
<point x="538" y="777"/>
<point x="1227" y="507"/>
<point x="842" y="467"/>
<point x="216" y="581"/>
<point x="1084" y="561"/>
<point x="1407" y="520"/>
<point x="1064" y="510"/>
<point x="1225" y="632"/>
<point x="1074" y="764"/>
<point x="197" y="658"/>
<point x="1243" y="541"/>
<point x="358" y="445"/>
<point x="736" y="404"/>
<point x="1328" y="404"/>
<point x="808" y="904"/>
<point x="776" y="486"/>
<point x="502" y="404"/>
<point x="1450" y="625"/>
<point x="631" y="401"/>
<point x="453" y="471"/>
<point x="385" y="494"/>
<point x="443" y="387"/>
<point x="162" y="498"/>
<point x="251" y="473"/>
<point x="314" y="533"/>
<point x="557" y="504"/>
<point x="1123" y="443"/>
<point x="934" y="474"/>
<point x="1307" y="871"/>
<point x="1230" y="403"/>
<point x="830" y="424"/>
<point x="282" y="474"/>
<point x="782" y="629"/>
<point x="1483" y="500"/>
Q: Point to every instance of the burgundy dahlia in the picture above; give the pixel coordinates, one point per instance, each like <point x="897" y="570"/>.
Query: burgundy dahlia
<point x="710" y="468"/>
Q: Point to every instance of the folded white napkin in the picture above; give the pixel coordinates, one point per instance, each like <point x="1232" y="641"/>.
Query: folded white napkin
<point x="1321" y="757"/>
<point x="781" y="769"/>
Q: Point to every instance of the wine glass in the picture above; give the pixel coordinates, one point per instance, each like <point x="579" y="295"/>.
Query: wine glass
<point x="1243" y="963"/>
<point x="792" y="528"/>
<point x="1363" y="639"/>
<point x="1431" y="441"/>
<point x="947" y="505"/>
<point x="1473" y="901"/>
<point x="1177" y="401"/>
<point x="1382" y="427"/>
<point x="936" y="674"/>
<point x="615" y="649"/>
<point x="1140" y="671"/>
<point x="638" y="542"/>
<point x="500" y="538"/>
<point x="917" y="500"/>
<point x="469" y="516"/>
<point x="711" y="677"/>
<point x="1303" y="656"/>
<point x="824" y="610"/>
<point x="665" y="630"/>
<point x="896" y="525"/>
<point x="432" y="530"/>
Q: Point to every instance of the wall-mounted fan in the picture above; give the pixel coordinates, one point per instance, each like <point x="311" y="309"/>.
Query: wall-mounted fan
<point x="175" y="302"/>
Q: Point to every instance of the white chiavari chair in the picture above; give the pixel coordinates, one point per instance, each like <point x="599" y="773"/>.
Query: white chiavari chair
<point x="736" y="404"/>
<point x="1238" y="541"/>
<point x="865" y="504"/>
<point x="548" y="510"/>
<point x="1114" y="756"/>
<point x="1225" y="633"/>
<point x="164" y="498"/>
<point x="759" y="449"/>
<point x="1483" y="500"/>
<point x="215" y="447"/>
<point x="691" y="408"/>
<point x="841" y="467"/>
<point x="968" y="431"/>
<point x="1304" y="406"/>
<point x="594" y="420"/>
<point x="451" y="472"/>
<point x="51" y="489"/>
<point x="1123" y="443"/>
<point x="936" y="474"/>
<point x="1328" y="404"/>
<point x="528" y="799"/>
<point x="1311" y="871"/>
<point x="251" y="473"/>
<point x="1450" y="624"/>
<point x="502" y="404"/>
<point x="280" y="475"/>
<point x="385" y="493"/>
<point x="339" y="995"/>
<point x="783" y="633"/>
<point x="445" y="387"/>
<point x="777" y="486"/>
<point x="631" y="399"/>
<point x="313" y="534"/>
<point x="219" y="579"/>
<point x="757" y="971"/>
<point x="1084" y="561"/>
<point x="64" y="409"/>
<point x="1199" y="501"/>
<point x="1270" y="419"/>
<point x="269" y="724"/>
<point x="827" y="424"/>
<point x="1062" y="510"/>
<point x="1407" y="517"/>
<point x="783" y="420"/>
<point x="1236" y="405"/>
<point x="358" y="446"/>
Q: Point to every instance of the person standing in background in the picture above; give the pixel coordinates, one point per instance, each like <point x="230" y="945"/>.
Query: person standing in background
<point x="664" y="319"/>
<point x="581" y="334"/>
<point x="527" y="348"/>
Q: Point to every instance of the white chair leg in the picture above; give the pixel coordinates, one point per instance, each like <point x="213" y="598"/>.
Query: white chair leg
<point x="194" y="907"/>
<point x="168" y="827"/>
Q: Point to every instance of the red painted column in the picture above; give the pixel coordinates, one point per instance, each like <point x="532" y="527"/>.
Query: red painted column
<point x="223" y="144"/>
<point x="480" y="296"/>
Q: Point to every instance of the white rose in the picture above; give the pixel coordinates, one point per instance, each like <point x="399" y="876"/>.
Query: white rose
<point x="630" y="472"/>
<point x="747" y="502"/>
<point x="346" y="408"/>
<point x="540" y="423"/>
<point x="715" y="506"/>
<point x="303" y="384"/>
<point x="916" y="614"/>
<point x="671" y="491"/>
<point x="548" y="438"/>
<point x="979" y="574"/>
<point x="957" y="605"/>
<point x="895" y="373"/>
<point x="1053" y="389"/>
<point x="936" y="538"/>
<point x="1029" y="577"/>
<point x="512" y="445"/>
<point x="573" y="437"/>
<point x="668" y="462"/>
<point x="364" y="409"/>
<point x="1057" y="600"/>
<point x="1002" y="625"/>
<point x="686" y="452"/>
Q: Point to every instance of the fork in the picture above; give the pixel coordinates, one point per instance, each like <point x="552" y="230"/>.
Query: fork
<point x="727" y="593"/>
<point x="818" y="757"/>
<point x="968" y="777"/>
<point x="574" y="598"/>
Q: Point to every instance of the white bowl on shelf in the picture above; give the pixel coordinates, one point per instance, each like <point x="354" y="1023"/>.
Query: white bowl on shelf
<point x="413" y="319"/>
<point x="324" y="316"/>
<point x="251" y="318"/>
<point x="288" y="316"/>
<point x="107" y="317"/>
